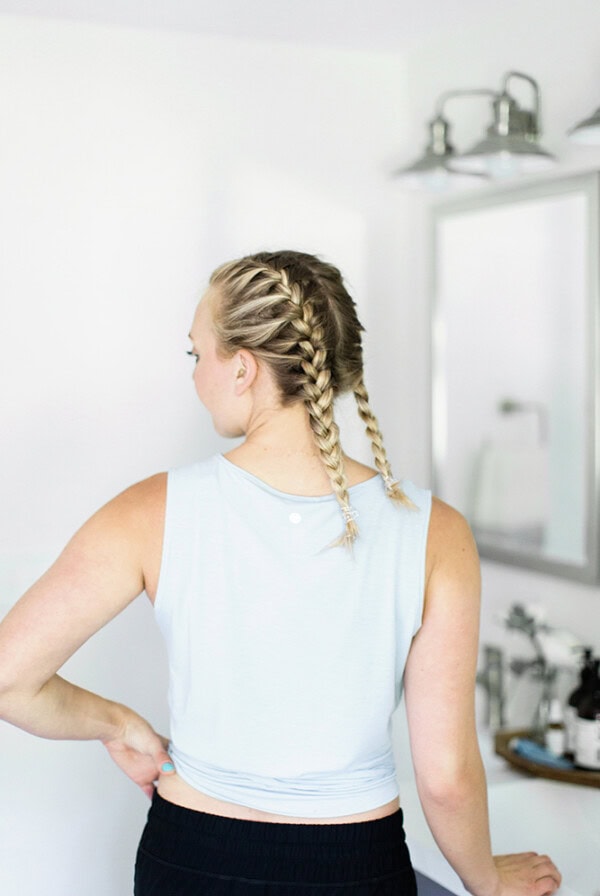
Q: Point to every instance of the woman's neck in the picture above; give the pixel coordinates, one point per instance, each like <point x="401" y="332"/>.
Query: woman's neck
<point x="280" y="449"/>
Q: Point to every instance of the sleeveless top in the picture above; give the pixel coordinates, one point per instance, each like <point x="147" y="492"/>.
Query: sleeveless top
<point x="286" y="656"/>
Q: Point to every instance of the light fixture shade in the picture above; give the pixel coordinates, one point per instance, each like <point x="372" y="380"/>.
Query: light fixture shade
<point x="415" y="177"/>
<point x="511" y="145"/>
<point x="587" y="132"/>
<point x="500" y="156"/>
<point x="433" y="170"/>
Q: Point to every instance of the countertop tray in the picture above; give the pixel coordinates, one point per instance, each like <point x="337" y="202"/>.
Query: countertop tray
<point x="570" y="776"/>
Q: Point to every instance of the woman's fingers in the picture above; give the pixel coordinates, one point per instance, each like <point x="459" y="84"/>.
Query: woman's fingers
<point x="548" y="874"/>
<point x="530" y="872"/>
<point x="141" y="753"/>
<point x="544" y="869"/>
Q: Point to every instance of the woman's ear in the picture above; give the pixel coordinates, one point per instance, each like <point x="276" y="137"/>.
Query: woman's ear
<point x="246" y="368"/>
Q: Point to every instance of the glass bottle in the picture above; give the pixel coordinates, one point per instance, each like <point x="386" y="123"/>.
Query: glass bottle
<point x="586" y="679"/>
<point x="555" y="736"/>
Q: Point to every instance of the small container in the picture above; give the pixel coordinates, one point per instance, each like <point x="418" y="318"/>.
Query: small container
<point x="587" y="729"/>
<point x="555" y="736"/>
<point x="586" y="681"/>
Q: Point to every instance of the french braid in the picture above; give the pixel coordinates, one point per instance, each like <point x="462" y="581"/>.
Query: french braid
<point x="318" y="397"/>
<point x="292" y="310"/>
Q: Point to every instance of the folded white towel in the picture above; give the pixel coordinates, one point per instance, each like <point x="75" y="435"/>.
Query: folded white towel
<point x="511" y="491"/>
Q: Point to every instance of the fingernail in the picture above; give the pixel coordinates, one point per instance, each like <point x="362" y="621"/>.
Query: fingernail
<point x="168" y="767"/>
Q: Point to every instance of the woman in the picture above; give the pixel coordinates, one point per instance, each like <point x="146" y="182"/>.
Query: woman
<point x="298" y="591"/>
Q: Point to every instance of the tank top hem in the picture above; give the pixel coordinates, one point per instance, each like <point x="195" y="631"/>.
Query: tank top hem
<point x="309" y="803"/>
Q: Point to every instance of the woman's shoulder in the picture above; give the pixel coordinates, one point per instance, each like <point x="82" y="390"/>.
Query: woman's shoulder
<point x="447" y="519"/>
<point x="451" y="548"/>
<point x="144" y="503"/>
<point x="140" y="513"/>
<point x="142" y="495"/>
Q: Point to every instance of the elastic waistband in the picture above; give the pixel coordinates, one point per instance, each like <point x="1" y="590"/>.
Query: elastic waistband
<point x="283" y="852"/>
<point x="377" y="831"/>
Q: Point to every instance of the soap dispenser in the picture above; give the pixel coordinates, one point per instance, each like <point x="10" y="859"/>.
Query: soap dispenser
<point x="587" y="729"/>
<point x="586" y="680"/>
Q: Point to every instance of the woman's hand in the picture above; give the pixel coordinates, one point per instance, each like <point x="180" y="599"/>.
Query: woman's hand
<point x="527" y="873"/>
<point x="140" y="752"/>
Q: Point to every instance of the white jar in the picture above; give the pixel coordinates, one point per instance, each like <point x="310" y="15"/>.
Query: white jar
<point x="587" y="743"/>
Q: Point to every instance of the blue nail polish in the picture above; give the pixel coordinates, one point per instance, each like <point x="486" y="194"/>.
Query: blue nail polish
<point x="168" y="767"/>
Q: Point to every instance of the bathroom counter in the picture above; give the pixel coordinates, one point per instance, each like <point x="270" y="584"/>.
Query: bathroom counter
<point x="561" y="820"/>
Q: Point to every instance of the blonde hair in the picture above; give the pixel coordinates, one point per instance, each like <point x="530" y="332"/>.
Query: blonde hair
<point x="293" y="311"/>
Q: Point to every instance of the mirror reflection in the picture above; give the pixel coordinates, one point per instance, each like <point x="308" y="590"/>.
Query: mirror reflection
<point x="514" y="427"/>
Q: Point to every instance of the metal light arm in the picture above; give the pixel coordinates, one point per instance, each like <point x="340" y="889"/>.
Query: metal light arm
<point x="532" y="81"/>
<point x="509" y="115"/>
<point x="439" y="127"/>
<point x="451" y="94"/>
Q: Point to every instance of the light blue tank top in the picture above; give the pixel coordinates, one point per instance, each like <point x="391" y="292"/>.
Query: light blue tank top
<point x="286" y="657"/>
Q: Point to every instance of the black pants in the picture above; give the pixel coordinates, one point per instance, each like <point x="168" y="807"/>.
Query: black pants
<point x="187" y="853"/>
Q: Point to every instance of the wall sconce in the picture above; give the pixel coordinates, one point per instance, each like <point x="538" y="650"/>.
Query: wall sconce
<point x="510" y="146"/>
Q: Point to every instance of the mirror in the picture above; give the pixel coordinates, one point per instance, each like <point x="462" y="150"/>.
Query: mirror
<point x="515" y="371"/>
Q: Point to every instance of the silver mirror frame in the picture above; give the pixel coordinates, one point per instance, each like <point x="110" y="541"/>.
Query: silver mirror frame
<point x="589" y="184"/>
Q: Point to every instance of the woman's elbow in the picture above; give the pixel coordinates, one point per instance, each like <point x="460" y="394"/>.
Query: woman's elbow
<point x="13" y="694"/>
<point x="448" y="782"/>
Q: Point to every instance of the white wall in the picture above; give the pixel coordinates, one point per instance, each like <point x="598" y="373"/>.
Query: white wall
<point x="557" y="44"/>
<point x="131" y="163"/>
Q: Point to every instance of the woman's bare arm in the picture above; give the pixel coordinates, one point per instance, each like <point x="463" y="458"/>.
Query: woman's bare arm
<point x="105" y="566"/>
<point x="440" y="698"/>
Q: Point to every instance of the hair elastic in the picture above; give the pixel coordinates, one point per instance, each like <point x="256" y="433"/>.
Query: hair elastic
<point x="390" y="482"/>
<point x="349" y="513"/>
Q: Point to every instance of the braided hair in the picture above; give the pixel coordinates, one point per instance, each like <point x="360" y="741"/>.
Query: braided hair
<point x="293" y="311"/>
